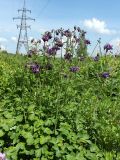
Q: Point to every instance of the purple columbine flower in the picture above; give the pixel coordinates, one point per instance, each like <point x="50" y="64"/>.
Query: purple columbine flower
<point x="52" y="51"/>
<point x="108" y="47"/>
<point x="74" y="69"/>
<point x="105" y="75"/>
<point x="45" y="38"/>
<point x="87" y="42"/>
<point x="68" y="56"/>
<point x="68" y="33"/>
<point x="59" y="44"/>
<point x="35" y="68"/>
<point x="2" y="156"/>
<point x="57" y="48"/>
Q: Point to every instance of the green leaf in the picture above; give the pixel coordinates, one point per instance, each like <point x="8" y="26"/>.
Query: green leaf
<point x="1" y="133"/>
<point x="44" y="139"/>
<point x="38" y="153"/>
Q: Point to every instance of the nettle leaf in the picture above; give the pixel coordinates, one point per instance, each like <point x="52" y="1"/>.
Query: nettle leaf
<point x="11" y="153"/>
<point x="85" y="139"/>
<point x="31" y="117"/>
<point x="19" y="118"/>
<point x="38" y="123"/>
<point x="20" y="146"/>
<point x="43" y="158"/>
<point x="94" y="148"/>
<point x="2" y="143"/>
<point x="5" y="127"/>
<point x="48" y="131"/>
<point x="8" y="115"/>
<point x="44" y="139"/>
<point x="1" y="133"/>
<point x="38" y="153"/>
<point x="29" y="137"/>
<point x="14" y="136"/>
<point x="30" y="140"/>
<point x="31" y="108"/>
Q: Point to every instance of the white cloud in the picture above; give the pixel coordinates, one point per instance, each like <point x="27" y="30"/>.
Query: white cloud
<point x="116" y="42"/>
<point x="98" y="26"/>
<point x="14" y="39"/>
<point x="2" y="47"/>
<point x="116" y="45"/>
<point x="3" y="39"/>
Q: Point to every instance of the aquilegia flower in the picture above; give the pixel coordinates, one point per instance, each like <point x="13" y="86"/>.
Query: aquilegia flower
<point x="74" y="69"/>
<point x="105" y="75"/>
<point x="35" y="68"/>
<point x="53" y="51"/>
<point x="59" y="44"/>
<point x="68" y="56"/>
<point x="87" y="42"/>
<point x="108" y="47"/>
<point x="2" y="156"/>
<point x="47" y="36"/>
<point x="68" y="33"/>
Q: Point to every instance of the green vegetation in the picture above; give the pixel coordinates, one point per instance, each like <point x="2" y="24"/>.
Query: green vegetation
<point x="58" y="114"/>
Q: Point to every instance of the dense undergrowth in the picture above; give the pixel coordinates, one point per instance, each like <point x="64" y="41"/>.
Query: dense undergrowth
<point x="58" y="114"/>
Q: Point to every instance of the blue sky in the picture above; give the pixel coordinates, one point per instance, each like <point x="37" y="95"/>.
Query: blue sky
<point x="99" y="18"/>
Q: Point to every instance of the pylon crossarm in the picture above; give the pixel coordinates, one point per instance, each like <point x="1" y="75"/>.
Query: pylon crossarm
<point x="25" y="10"/>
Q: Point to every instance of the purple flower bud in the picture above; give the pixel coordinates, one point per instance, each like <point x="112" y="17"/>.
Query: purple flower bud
<point x="78" y="29"/>
<point x="75" y="27"/>
<point x="96" y="58"/>
<point x="29" y="53"/>
<point x="87" y="42"/>
<point x="32" y="40"/>
<point x="74" y="69"/>
<point x="83" y="33"/>
<point x="57" y="33"/>
<point x="105" y="75"/>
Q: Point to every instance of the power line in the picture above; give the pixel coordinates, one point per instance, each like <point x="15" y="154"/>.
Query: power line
<point x="44" y="7"/>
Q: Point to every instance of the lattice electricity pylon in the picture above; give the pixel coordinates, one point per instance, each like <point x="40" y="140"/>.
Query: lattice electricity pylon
<point x="23" y="37"/>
